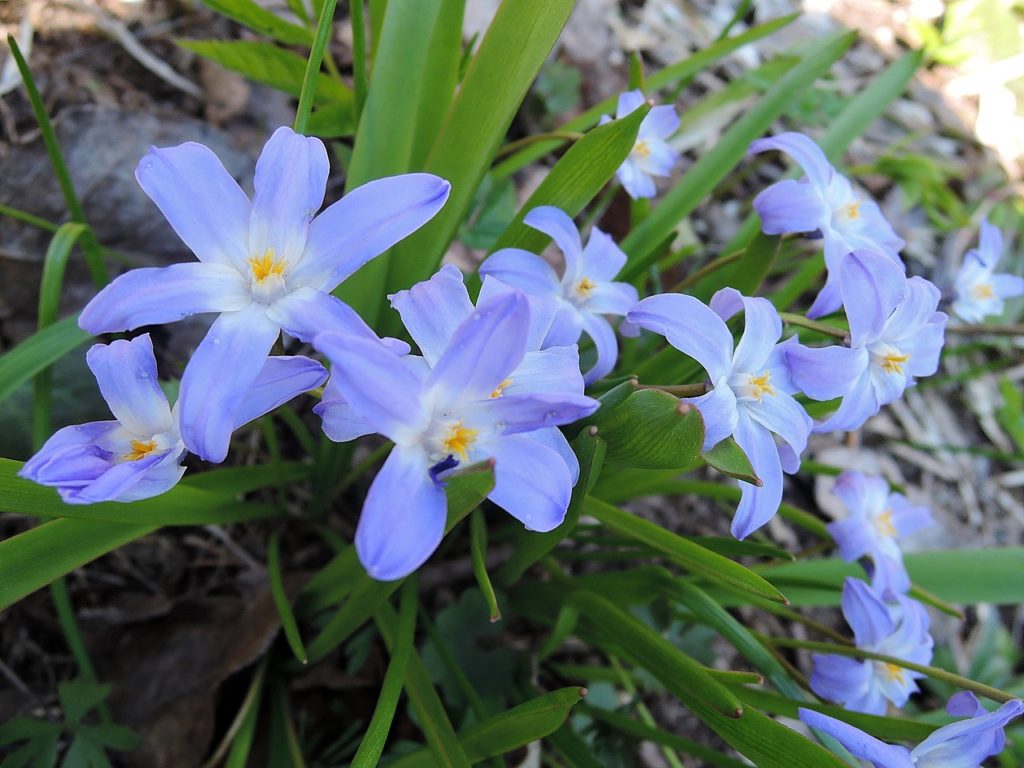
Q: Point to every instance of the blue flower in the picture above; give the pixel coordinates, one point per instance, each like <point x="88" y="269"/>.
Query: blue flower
<point x="751" y="395"/>
<point x="139" y="454"/>
<point x="478" y="393"/>
<point x="897" y="627"/>
<point x="980" y="291"/>
<point x="586" y="291"/>
<point x="876" y="520"/>
<point x="651" y="155"/>
<point x="264" y="266"/>
<point x="896" y="334"/>
<point x="964" y="744"/>
<point x="823" y="203"/>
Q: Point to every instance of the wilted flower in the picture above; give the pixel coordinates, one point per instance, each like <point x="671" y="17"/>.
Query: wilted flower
<point x="964" y="744"/>
<point x="586" y="291"/>
<point x="823" y="203"/>
<point x="264" y="266"/>
<point x="651" y="155"/>
<point x="895" y="626"/>
<point x="475" y="395"/>
<point x="980" y="291"/>
<point x="751" y="395"/>
<point x="896" y="334"/>
<point x="139" y="455"/>
<point x="876" y="519"/>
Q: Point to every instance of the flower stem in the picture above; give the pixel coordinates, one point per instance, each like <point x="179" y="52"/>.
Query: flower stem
<point x="813" y="325"/>
<point x="857" y="653"/>
<point x="707" y="269"/>
<point x="316" y="56"/>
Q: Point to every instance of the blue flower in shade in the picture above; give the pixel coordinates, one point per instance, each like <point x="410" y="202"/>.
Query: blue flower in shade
<point x="896" y="334"/>
<point x="896" y="626"/>
<point x="980" y="291"/>
<point x="963" y="744"/>
<point x="586" y="291"/>
<point x="876" y="519"/>
<point x="139" y="454"/>
<point x="651" y="155"/>
<point x="476" y="394"/>
<point x="751" y="395"/>
<point x="264" y="266"/>
<point x="823" y="203"/>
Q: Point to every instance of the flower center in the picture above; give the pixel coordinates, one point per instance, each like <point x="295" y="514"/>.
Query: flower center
<point x="893" y="362"/>
<point x="983" y="291"/>
<point x="458" y="440"/>
<point x="500" y="389"/>
<point x="140" y="449"/>
<point x="849" y="211"/>
<point x="884" y="524"/>
<point x="642" y="149"/>
<point x="584" y="287"/>
<point x="756" y="387"/>
<point x="893" y="673"/>
<point x="266" y="266"/>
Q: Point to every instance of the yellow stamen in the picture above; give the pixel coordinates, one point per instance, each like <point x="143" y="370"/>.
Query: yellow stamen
<point x="893" y="673"/>
<point x="459" y="440"/>
<point x="852" y="210"/>
<point x="641" y="149"/>
<point x="585" y="287"/>
<point x="140" y="449"/>
<point x="884" y="524"/>
<point x="266" y="266"/>
<point x="498" y="390"/>
<point x="893" y="362"/>
<point x="983" y="291"/>
<point x="761" y="386"/>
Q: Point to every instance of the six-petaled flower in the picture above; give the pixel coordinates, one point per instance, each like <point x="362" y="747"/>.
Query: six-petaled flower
<point x="651" y="154"/>
<point x="980" y="290"/>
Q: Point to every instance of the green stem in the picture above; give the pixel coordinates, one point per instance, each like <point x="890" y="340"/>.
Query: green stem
<point x="28" y="218"/>
<point x="358" y="54"/>
<point x="73" y="637"/>
<point x="316" y="56"/>
<point x="813" y="325"/>
<point x="933" y="672"/>
<point x="679" y="390"/>
<point x="707" y="269"/>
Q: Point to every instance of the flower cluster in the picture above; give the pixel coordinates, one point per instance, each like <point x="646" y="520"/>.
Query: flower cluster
<point x="980" y="290"/>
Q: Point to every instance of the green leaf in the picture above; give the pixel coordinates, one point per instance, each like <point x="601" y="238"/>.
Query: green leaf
<point x="508" y="731"/>
<point x="110" y="736"/>
<point x="725" y="545"/>
<point x="478" y="554"/>
<point x="266" y="63"/>
<point x="38" y="352"/>
<point x="510" y="55"/>
<point x="179" y="506"/>
<point x="465" y="492"/>
<point x="531" y="546"/>
<point x="79" y="697"/>
<point x="332" y="121"/>
<point x="38" y="556"/>
<point x="255" y="17"/>
<point x="747" y="274"/>
<point x="576" y="178"/>
<point x="312" y="76"/>
<point x="372" y="745"/>
<point x="233" y="481"/>
<point x="729" y="459"/>
<point x="652" y="429"/>
<point x="691" y="556"/>
<point x="703" y="176"/>
<point x="277" y="591"/>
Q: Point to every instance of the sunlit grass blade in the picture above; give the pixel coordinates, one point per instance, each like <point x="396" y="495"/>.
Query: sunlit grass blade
<point x="93" y="253"/>
<point x="372" y="745"/>
<point x="703" y="176"/>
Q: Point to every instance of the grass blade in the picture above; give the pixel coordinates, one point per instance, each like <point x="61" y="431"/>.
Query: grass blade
<point x="316" y="56"/>
<point x="478" y="552"/>
<point x="277" y="591"/>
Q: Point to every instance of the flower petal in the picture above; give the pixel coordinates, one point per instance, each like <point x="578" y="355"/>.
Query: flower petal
<point x="719" y="411"/>
<point x="967" y="743"/>
<point x="844" y="680"/>
<point x="757" y="505"/>
<point x="791" y="206"/>
<point x="658" y="160"/>
<point x="1007" y="286"/>
<point x="151" y="296"/>
<point x="126" y="374"/>
<point x="637" y="183"/>
<point x="612" y="299"/>
<point x="485" y="348"/>
<point x="200" y="200"/>
<point x="119" y="482"/>
<point x="281" y="379"/>
<point x="762" y="328"/>
<point x="339" y="420"/>
<point x="382" y="388"/>
<point x="690" y="326"/>
<point x="602" y="258"/>
<point x="365" y="223"/>
<point x="432" y="310"/>
<point x="804" y="151"/>
<point x="306" y="312"/>
<point x="525" y="413"/>
<point x="866" y="614"/>
<point x="552" y="371"/>
<point x="291" y="176"/>
<point x="859" y="405"/>
<point x="872" y="287"/>
<point x="629" y="102"/>
<point x="916" y="308"/>
<point x="531" y="482"/>
<point x="542" y="310"/>
<point x="605" y="343"/>
<point x="784" y="416"/>
<point x="552" y="437"/>
<point x="990" y="244"/>
<point x="237" y="345"/>
<point x="566" y="326"/>
<point x="522" y="269"/>
<point x="403" y="518"/>
<point x="824" y="373"/>
<point x="661" y="122"/>
<point x="71" y="457"/>
<point x="860" y="744"/>
<point x="560" y="227"/>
